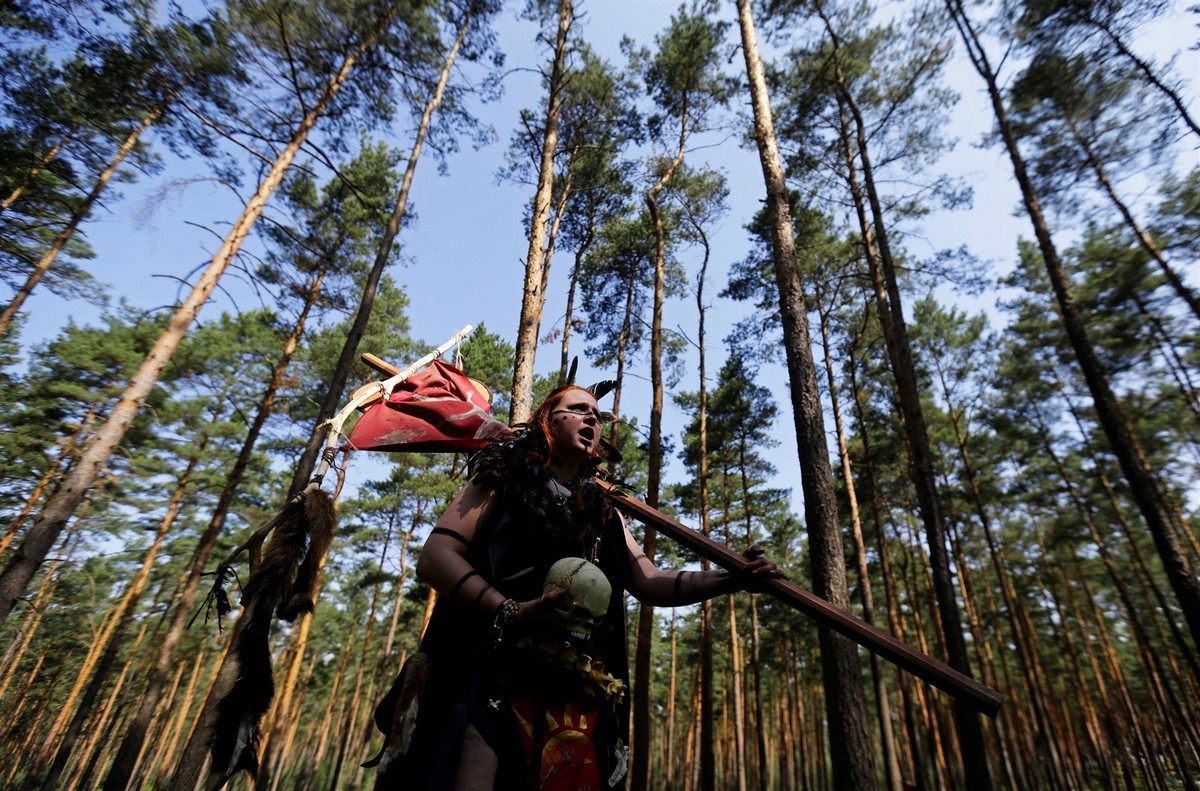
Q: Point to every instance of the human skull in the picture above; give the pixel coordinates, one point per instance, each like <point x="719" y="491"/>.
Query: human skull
<point x="588" y="592"/>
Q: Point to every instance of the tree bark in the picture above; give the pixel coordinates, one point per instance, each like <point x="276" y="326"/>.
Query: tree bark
<point x="891" y="318"/>
<point x="887" y="737"/>
<point x="533" y="297"/>
<point x="850" y="741"/>
<point x="108" y="642"/>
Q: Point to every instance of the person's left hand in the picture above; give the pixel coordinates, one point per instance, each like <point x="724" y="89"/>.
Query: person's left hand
<point x="759" y="569"/>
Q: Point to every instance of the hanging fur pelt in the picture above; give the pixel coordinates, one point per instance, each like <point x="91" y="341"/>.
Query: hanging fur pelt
<point x="320" y="515"/>
<point x="284" y="583"/>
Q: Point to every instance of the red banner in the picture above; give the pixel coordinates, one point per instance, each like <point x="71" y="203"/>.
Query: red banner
<point x="437" y="409"/>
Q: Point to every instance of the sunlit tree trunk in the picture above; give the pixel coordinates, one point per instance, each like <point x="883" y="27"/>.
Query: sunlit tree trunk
<point x="882" y="701"/>
<point x="845" y="699"/>
<point x="97" y="730"/>
<point x="108" y="642"/>
<point x="891" y="319"/>
<point x="79" y="214"/>
<point x="533" y="298"/>
<point x="573" y="286"/>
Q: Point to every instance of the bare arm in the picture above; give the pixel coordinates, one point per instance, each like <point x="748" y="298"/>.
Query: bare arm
<point x="675" y="588"/>
<point x="443" y="561"/>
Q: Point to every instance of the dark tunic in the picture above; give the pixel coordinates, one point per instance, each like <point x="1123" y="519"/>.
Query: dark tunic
<point x="470" y="678"/>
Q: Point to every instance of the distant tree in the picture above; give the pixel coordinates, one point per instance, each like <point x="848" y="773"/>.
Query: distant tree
<point x="1136" y="467"/>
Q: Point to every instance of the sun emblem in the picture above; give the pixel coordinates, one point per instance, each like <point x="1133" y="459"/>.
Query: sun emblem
<point x="564" y="742"/>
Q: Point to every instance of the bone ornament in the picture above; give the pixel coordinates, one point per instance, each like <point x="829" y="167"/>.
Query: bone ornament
<point x="587" y="597"/>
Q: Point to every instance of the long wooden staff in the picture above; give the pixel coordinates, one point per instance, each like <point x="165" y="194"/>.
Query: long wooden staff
<point x="983" y="698"/>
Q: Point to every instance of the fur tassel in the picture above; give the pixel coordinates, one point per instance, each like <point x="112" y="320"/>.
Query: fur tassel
<point x="396" y="716"/>
<point x="320" y="514"/>
<point x="284" y="579"/>
<point x="276" y="571"/>
<point x="236" y="730"/>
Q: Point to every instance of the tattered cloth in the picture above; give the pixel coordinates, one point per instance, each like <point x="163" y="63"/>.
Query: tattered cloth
<point x="437" y="409"/>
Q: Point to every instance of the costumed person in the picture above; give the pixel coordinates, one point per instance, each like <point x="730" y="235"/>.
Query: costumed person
<point x="521" y="679"/>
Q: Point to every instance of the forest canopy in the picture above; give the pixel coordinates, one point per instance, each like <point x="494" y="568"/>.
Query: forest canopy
<point x="907" y="294"/>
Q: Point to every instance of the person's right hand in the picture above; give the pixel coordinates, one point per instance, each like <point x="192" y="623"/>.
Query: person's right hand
<point x="541" y="609"/>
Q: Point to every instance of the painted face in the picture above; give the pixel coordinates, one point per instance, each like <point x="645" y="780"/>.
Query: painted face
<point x="575" y="426"/>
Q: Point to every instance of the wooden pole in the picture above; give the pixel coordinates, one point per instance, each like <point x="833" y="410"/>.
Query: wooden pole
<point x="983" y="698"/>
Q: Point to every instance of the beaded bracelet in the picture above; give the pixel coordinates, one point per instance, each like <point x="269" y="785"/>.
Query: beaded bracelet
<point x="506" y="613"/>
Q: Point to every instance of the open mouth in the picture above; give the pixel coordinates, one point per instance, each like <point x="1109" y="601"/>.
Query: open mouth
<point x="588" y="435"/>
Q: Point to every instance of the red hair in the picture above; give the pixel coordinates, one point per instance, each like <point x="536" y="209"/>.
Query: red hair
<point x="541" y="417"/>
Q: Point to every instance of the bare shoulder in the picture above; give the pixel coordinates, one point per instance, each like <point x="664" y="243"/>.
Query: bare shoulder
<point x="473" y="504"/>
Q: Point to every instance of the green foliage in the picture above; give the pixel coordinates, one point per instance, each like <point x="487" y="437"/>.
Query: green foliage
<point x="683" y="75"/>
<point x="489" y="358"/>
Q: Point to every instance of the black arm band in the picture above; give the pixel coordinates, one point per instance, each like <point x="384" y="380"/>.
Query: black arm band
<point x="679" y="586"/>
<point x="461" y="580"/>
<point x="479" y="596"/>
<point x="441" y="531"/>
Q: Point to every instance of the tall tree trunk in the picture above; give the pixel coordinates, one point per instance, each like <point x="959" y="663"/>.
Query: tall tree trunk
<point x="845" y="700"/>
<point x="640" y="770"/>
<point x="737" y="666"/>
<point x="341" y="372"/>
<point x="1025" y="640"/>
<point x="122" y="767"/>
<point x="622" y="343"/>
<point x="95" y="743"/>
<point x="891" y="318"/>
<point x="54" y="516"/>
<point x="559" y="208"/>
<point x="708" y="774"/>
<point x="24" y="636"/>
<point x="569" y="314"/>
<point x="32" y="174"/>
<point x="1138" y="471"/>
<point x="668" y="733"/>
<point x="533" y="297"/>
<point x="82" y="210"/>
<point x="887" y="737"/>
